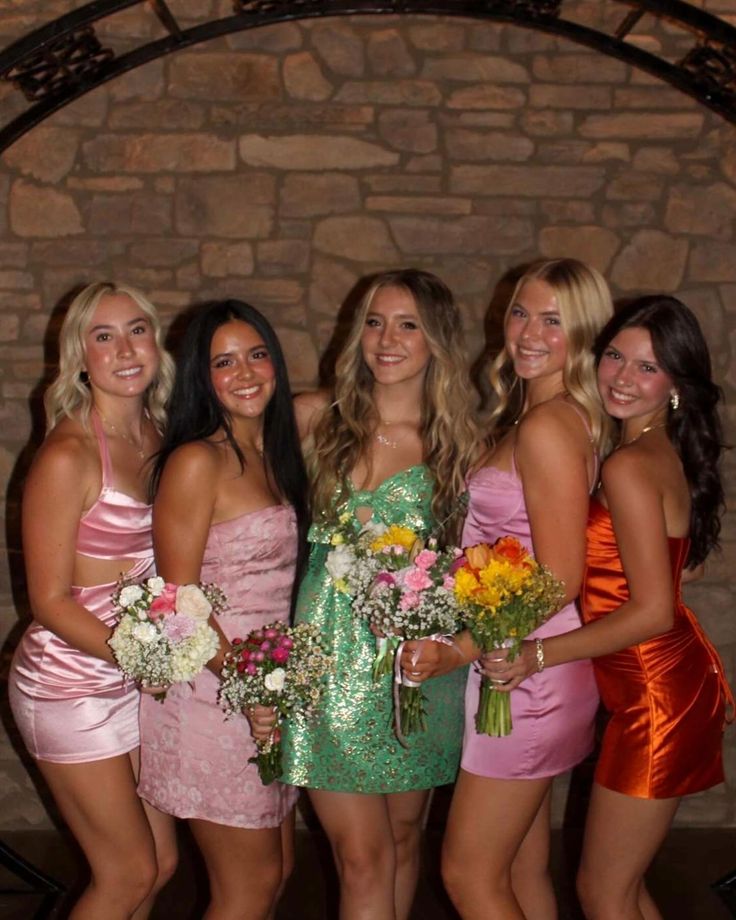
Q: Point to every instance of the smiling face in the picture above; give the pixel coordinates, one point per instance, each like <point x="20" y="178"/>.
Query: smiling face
<point x="393" y="343"/>
<point x="631" y="381"/>
<point x="535" y="340"/>
<point x="241" y="370"/>
<point x="121" y="356"/>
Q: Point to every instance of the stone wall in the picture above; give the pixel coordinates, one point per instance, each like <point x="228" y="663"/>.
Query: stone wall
<point x="280" y="165"/>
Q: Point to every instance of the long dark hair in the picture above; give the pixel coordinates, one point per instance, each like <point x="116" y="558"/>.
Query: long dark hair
<point x="195" y="412"/>
<point x="694" y="427"/>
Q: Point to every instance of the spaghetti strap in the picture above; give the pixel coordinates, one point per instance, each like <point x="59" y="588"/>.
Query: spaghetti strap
<point x="104" y="450"/>
<point x="586" y="424"/>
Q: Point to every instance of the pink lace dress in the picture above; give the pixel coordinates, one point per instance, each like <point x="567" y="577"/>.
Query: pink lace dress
<point x="69" y="706"/>
<point x="194" y="763"/>
<point x="552" y="712"/>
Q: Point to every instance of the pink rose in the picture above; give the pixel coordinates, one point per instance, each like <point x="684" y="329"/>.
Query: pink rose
<point x="265" y="646"/>
<point x="280" y="655"/>
<point x="417" y="579"/>
<point x="426" y="559"/>
<point x="287" y="642"/>
<point x="409" y="601"/>
<point x="164" y="604"/>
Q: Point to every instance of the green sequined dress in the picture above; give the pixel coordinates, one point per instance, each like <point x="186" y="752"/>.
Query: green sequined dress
<point x="350" y="745"/>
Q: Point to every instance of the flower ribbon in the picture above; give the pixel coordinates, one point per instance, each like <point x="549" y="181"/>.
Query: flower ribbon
<point x="400" y="679"/>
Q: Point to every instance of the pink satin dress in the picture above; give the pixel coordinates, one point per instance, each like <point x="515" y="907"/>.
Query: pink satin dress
<point x="552" y="712"/>
<point x="69" y="706"/>
<point x="194" y="762"/>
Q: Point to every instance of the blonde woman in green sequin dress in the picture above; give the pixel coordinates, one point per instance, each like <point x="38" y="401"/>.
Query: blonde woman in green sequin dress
<point x="393" y="444"/>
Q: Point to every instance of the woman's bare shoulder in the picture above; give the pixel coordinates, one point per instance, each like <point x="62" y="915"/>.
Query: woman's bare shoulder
<point x="308" y="408"/>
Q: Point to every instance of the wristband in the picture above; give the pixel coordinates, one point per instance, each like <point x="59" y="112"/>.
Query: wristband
<point x="540" y="654"/>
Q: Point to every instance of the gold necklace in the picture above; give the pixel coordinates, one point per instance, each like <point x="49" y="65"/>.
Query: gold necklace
<point x="643" y="431"/>
<point x="138" y="448"/>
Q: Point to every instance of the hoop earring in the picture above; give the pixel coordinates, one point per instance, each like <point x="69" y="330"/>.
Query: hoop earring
<point x="675" y="401"/>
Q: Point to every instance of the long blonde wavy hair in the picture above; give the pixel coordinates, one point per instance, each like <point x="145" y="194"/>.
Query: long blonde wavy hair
<point x="68" y="395"/>
<point x="584" y="301"/>
<point x="449" y="432"/>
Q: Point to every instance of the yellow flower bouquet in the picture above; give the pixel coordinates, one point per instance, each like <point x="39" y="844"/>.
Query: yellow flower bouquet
<point x="503" y="594"/>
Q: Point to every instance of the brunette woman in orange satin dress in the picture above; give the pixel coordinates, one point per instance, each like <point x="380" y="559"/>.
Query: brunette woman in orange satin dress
<point x="654" y="520"/>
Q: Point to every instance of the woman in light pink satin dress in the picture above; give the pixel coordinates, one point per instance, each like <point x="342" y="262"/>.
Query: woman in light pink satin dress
<point x="533" y="484"/>
<point x="231" y="450"/>
<point x="86" y="519"/>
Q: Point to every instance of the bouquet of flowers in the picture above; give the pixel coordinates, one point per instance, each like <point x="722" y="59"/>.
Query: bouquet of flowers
<point x="403" y="588"/>
<point x="504" y="594"/>
<point x="280" y="666"/>
<point x="162" y="635"/>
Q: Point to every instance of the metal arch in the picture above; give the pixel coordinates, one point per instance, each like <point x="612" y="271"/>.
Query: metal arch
<point x="64" y="59"/>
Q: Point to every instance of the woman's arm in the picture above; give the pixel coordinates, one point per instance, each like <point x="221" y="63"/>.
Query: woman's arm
<point x="182" y="515"/>
<point x="59" y="487"/>
<point x="635" y="501"/>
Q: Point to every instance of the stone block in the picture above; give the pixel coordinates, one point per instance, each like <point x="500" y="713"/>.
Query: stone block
<point x="546" y="122"/>
<point x="44" y="153"/>
<point x="89" y="111"/>
<point x="562" y="151"/>
<point x="105" y="183"/>
<point x="646" y="126"/>
<point x="439" y="36"/>
<point x="313" y="194"/>
<point x="166" y="114"/>
<point x="217" y="76"/>
<point x="301" y="356"/>
<point x="653" y="98"/>
<point x="629" y="214"/>
<point x="152" y="153"/>
<point x="660" y="160"/>
<point x="77" y="252"/>
<point x="651" y="261"/>
<point x="408" y="129"/>
<point x="701" y="210"/>
<point x="477" y="146"/>
<point x="13" y="255"/>
<point x="330" y="282"/>
<point x="144" y="83"/>
<point x="527" y="181"/>
<point x="474" y="234"/>
<point x="631" y="185"/>
<point x="579" y="212"/>
<point x="416" y="204"/>
<point x="388" y="54"/>
<point x="164" y="253"/>
<point x="340" y="47"/>
<point x="283" y="36"/>
<point x="594" y="245"/>
<point x="387" y="182"/>
<point x="390" y="92"/>
<point x="486" y="96"/>
<point x="712" y="261"/>
<point x="289" y="117"/>
<point x="9" y="329"/>
<point x="282" y="257"/>
<point x="428" y="163"/>
<point x="220" y="260"/>
<point x="364" y="239"/>
<point x="580" y="69"/>
<point x="16" y="280"/>
<point x="230" y="206"/>
<point x="475" y="68"/>
<point x="126" y="214"/>
<point x="555" y="96"/>
<point x="303" y="78"/>
<point x="306" y="151"/>
<point x="41" y="211"/>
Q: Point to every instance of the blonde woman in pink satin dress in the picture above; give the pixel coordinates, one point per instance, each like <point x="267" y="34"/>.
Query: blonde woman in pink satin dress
<point x="230" y="508"/>
<point x="533" y="484"/>
<point x="86" y="519"/>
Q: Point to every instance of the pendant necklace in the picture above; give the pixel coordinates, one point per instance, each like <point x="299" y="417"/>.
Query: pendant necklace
<point x="642" y="432"/>
<point x="382" y="439"/>
<point x="138" y="448"/>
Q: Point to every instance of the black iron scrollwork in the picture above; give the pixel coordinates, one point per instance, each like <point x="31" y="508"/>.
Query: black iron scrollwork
<point x="714" y="68"/>
<point x="68" y="61"/>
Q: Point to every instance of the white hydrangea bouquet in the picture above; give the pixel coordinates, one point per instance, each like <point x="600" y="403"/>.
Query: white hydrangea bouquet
<point x="403" y="587"/>
<point x="163" y="635"/>
<point x="280" y="666"/>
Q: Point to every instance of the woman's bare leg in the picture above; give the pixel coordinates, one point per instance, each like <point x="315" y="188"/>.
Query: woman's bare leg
<point x="405" y="812"/>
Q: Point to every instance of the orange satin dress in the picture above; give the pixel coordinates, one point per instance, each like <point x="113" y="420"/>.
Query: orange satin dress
<point x="667" y="696"/>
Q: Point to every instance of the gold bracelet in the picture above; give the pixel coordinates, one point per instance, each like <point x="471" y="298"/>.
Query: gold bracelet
<point x="540" y="654"/>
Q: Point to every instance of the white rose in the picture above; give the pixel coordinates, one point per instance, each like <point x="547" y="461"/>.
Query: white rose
<point x="340" y="561"/>
<point x="130" y="595"/>
<point x="155" y="585"/>
<point x="145" y="633"/>
<point x="275" y="680"/>
<point x="191" y="602"/>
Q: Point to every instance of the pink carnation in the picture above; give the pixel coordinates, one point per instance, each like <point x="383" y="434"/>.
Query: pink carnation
<point x="409" y="601"/>
<point x="178" y="627"/>
<point x="417" y="579"/>
<point x="280" y="655"/>
<point x="385" y="578"/>
<point x="426" y="559"/>
<point x="164" y="604"/>
<point x="448" y="582"/>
